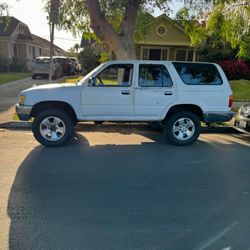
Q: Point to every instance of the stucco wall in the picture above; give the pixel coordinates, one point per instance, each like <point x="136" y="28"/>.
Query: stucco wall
<point x="4" y="49"/>
<point x="174" y="34"/>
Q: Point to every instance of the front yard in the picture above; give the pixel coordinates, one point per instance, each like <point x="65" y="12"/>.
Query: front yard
<point x="241" y="90"/>
<point x="13" y="76"/>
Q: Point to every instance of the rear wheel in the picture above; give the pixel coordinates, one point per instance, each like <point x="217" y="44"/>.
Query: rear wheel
<point x="182" y="128"/>
<point x="53" y="128"/>
<point x="33" y="76"/>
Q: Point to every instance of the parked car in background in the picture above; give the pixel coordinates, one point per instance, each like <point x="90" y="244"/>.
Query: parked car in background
<point x="41" y="68"/>
<point x="77" y="65"/>
<point x="67" y="65"/>
<point x="242" y="119"/>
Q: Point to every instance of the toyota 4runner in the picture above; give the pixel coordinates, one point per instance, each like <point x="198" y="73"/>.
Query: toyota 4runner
<point x="179" y="95"/>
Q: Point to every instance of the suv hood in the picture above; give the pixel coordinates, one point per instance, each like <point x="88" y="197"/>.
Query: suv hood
<point x="51" y="86"/>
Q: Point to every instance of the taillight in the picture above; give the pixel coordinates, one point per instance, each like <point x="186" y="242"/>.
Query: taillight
<point x="230" y="103"/>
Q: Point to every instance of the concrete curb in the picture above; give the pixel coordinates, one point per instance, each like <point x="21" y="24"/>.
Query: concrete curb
<point x="219" y="129"/>
<point x="16" y="124"/>
<point x="28" y="125"/>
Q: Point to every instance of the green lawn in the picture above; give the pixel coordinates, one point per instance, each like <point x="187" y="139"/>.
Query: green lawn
<point x="12" y="76"/>
<point x="241" y="90"/>
<point x="72" y="79"/>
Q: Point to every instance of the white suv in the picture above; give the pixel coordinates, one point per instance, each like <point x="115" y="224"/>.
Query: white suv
<point x="177" y="94"/>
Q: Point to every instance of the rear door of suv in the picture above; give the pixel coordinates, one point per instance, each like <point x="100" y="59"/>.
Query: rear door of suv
<point x="155" y="90"/>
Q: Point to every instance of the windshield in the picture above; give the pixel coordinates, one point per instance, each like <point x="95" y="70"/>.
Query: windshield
<point x="85" y="78"/>
<point x="42" y="60"/>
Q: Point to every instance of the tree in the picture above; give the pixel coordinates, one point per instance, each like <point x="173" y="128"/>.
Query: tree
<point x="113" y="21"/>
<point x="218" y="23"/>
<point x="4" y="9"/>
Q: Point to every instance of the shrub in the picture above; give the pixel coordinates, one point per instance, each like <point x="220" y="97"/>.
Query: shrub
<point x="4" y="64"/>
<point x="235" y="69"/>
<point x="88" y="59"/>
<point x="18" y="65"/>
<point x="214" y="55"/>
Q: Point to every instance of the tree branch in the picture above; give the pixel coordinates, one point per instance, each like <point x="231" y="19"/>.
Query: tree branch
<point x="100" y="25"/>
<point x="237" y="5"/>
<point x="128" y="23"/>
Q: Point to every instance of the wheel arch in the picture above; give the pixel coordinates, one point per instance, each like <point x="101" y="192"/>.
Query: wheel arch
<point x="186" y="107"/>
<point x="60" y="105"/>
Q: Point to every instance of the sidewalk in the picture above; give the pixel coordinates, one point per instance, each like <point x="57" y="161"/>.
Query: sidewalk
<point x="9" y="95"/>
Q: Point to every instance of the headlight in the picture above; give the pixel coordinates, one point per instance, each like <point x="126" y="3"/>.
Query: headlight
<point x="245" y="111"/>
<point x="21" y="99"/>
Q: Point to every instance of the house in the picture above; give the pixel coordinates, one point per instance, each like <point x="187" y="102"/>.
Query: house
<point x="16" y="41"/>
<point x="163" y="39"/>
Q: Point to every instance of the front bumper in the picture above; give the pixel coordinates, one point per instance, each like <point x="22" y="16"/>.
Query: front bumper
<point x="218" y="116"/>
<point x="242" y="124"/>
<point x="23" y="112"/>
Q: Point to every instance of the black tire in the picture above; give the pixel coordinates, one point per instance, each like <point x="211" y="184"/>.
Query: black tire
<point x="189" y="135"/>
<point x="33" y="76"/>
<point x="66" y="124"/>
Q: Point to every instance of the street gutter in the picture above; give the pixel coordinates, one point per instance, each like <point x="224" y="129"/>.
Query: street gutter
<point x="204" y="129"/>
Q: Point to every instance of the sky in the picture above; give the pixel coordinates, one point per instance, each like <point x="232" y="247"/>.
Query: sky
<point x="31" y="13"/>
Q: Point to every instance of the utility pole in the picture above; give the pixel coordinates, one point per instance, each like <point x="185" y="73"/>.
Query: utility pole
<point x="54" y="13"/>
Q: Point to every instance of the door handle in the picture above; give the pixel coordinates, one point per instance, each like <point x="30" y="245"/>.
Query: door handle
<point x="125" y="92"/>
<point x="168" y="93"/>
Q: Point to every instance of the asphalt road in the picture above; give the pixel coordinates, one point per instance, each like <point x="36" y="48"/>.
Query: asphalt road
<point x="115" y="187"/>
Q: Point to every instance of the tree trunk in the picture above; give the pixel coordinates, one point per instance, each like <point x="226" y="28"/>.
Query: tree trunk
<point x="121" y="44"/>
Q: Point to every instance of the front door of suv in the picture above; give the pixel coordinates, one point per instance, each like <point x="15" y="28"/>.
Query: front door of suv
<point x="111" y="97"/>
<point x="155" y="91"/>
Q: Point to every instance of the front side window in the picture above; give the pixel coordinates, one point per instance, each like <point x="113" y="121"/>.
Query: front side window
<point x="198" y="73"/>
<point x="154" y="76"/>
<point x="115" y="75"/>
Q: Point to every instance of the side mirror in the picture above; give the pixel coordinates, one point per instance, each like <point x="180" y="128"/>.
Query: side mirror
<point x="91" y="81"/>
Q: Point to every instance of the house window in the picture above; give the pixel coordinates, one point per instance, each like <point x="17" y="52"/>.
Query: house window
<point x="161" y="30"/>
<point x="40" y="52"/>
<point x="184" y="55"/>
<point x="14" y="50"/>
<point x="164" y="55"/>
<point x="154" y="53"/>
<point x="34" y="52"/>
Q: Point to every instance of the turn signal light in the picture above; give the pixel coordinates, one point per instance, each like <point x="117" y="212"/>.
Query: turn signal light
<point x="230" y="103"/>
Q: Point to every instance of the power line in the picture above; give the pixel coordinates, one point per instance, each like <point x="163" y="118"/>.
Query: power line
<point x="62" y="38"/>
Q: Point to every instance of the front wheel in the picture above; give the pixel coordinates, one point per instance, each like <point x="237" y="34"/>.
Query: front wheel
<point x="182" y="128"/>
<point x="52" y="128"/>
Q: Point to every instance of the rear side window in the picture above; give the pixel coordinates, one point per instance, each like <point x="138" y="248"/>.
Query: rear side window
<point x="154" y="76"/>
<point x="198" y="73"/>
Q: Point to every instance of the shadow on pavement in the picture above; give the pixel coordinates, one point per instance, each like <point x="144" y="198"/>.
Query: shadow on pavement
<point x="149" y="196"/>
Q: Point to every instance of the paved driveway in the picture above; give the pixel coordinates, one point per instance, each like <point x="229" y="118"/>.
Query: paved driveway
<point x="116" y="187"/>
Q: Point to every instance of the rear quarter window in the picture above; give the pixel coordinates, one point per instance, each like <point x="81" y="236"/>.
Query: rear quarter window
<point x="198" y="73"/>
